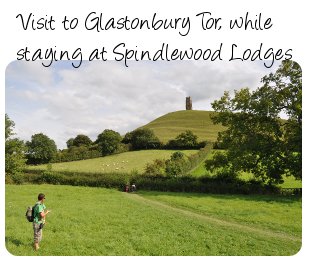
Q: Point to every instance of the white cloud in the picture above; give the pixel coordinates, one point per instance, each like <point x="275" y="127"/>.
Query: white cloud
<point x="62" y="102"/>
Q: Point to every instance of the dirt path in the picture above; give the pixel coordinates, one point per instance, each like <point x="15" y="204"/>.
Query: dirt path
<point x="208" y="219"/>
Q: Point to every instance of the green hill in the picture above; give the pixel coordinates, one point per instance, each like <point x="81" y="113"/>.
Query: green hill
<point x="170" y="125"/>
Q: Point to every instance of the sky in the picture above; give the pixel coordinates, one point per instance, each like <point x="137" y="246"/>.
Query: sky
<point x="62" y="102"/>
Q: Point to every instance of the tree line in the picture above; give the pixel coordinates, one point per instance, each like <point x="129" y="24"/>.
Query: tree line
<point x="41" y="149"/>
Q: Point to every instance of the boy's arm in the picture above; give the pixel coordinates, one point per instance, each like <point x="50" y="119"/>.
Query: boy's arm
<point x="43" y="214"/>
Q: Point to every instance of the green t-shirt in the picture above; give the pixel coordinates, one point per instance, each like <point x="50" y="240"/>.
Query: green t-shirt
<point x="38" y="209"/>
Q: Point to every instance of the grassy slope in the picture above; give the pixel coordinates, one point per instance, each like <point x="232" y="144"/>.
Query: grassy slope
<point x="124" y="162"/>
<point x="170" y="125"/>
<point x="95" y="221"/>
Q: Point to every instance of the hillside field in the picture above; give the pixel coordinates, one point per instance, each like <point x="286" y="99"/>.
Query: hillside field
<point x="123" y="162"/>
<point x="97" y="221"/>
<point x="172" y="124"/>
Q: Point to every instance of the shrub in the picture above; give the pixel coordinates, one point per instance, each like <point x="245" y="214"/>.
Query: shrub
<point x="155" y="168"/>
<point x="225" y="175"/>
<point x="185" y="140"/>
<point x="77" y="153"/>
<point x="17" y="178"/>
<point x="142" y="138"/>
<point x="177" y="165"/>
<point x="122" y="148"/>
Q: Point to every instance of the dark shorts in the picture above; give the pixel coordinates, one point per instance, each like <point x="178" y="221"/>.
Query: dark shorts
<point x="37" y="232"/>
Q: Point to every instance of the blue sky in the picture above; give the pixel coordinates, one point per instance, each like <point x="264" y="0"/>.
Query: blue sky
<point x="62" y="102"/>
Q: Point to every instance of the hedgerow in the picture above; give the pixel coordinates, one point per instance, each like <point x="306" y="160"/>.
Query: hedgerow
<point x="204" y="184"/>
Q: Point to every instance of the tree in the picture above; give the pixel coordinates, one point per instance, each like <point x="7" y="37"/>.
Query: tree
<point x="176" y="166"/>
<point x="142" y="138"/>
<point x="80" y="140"/>
<point x="70" y="142"/>
<point x="185" y="140"/>
<point x="108" y="141"/>
<point x="9" y="125"/>
<point x="41" y="149"/>
<point x="157" y="167"/>
<point x="288" y="83"/>
<point x="257" y="139"/>
<point x="15" y="160"/>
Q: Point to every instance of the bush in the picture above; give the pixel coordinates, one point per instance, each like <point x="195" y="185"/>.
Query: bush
<point x="219" y="146"/>
<point x="17" y="178"/>
<point x="204" y="184"/>
<point x="122" y="148"/>
<point x="77" y="153"/>
<point x="178" y="164"/>
<point x="142" y="138"/>
<point x="155" y="168"/>
<point x="185" y="140"/>
<point x="15" y="160"/>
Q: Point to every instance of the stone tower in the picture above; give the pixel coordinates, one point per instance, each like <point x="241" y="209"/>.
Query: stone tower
<point x="188" y="103"/>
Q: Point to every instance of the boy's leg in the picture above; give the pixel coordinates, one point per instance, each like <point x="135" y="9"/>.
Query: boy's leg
<point x="40" y="235"/>
<point x="37" y="235"/>
<point x="36" y="246"/>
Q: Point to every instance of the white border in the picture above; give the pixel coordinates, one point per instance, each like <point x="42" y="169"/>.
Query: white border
<point x="291" y="30"/>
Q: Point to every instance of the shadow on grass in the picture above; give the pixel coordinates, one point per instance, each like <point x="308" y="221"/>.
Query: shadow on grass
<point x="14" y="241"/>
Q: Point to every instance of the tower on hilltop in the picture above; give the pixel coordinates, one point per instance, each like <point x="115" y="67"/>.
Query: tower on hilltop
<point x="188" y="103"/>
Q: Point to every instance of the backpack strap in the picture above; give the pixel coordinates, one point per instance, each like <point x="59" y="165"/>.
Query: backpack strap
<point x="33" y="208"/>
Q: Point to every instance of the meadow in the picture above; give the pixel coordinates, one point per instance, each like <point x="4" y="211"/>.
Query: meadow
<point x="124" y="162"/>
<point x="98" y="221"/>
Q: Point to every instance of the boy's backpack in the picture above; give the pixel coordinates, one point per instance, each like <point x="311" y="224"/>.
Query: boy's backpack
<point x="30" y="213"/>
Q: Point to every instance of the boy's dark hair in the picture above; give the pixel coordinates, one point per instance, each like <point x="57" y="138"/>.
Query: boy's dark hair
<point x="41" y="196"/>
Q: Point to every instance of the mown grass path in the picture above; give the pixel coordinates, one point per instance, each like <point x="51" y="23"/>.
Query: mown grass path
<point x="212" y="220"/>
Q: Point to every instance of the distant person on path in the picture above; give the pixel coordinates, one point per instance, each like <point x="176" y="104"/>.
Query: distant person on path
<point x="133" y="187"/>
<point x="39" y="219"/>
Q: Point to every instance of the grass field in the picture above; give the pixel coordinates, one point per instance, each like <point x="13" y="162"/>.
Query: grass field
<point x="124" y="162"/>
<point x="96" y="221"/>
<point x="170" y="125"/>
